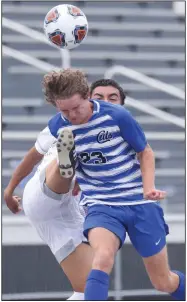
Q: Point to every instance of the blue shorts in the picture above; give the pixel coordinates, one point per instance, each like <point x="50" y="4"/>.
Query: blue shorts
<point x="144" y="224"/>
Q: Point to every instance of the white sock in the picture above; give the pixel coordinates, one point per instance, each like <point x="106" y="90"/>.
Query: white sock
<point x="77" y="297"/>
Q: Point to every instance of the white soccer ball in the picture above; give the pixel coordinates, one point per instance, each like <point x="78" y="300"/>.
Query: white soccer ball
<point x="65" y="26"/>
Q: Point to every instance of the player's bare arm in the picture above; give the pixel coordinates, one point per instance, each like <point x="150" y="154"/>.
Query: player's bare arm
<point x="147" y="165"/>
<point x="32" y="158"/>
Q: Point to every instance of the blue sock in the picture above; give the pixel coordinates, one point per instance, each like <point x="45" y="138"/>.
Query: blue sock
<point x="97" y="285"/>
<point x="179" y="294"/>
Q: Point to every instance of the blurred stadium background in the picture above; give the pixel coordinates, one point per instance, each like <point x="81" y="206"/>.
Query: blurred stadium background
<point x="148" y="37"/>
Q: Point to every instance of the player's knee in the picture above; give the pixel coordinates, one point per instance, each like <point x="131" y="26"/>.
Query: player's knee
<point x="104" y="259"/>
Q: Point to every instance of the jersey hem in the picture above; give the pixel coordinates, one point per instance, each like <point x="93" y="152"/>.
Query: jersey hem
<point x="117" y="203"/>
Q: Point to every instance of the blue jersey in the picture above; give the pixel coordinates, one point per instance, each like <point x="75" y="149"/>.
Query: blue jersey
<point x="108" y="171"/>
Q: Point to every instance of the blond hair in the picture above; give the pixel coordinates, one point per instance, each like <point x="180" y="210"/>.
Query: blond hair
<point x="64" y="84"/>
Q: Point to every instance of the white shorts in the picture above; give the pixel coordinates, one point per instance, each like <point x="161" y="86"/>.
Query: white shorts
<point x="57" y="218"/>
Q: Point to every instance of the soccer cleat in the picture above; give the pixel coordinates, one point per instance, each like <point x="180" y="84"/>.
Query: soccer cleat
<point x="66" y="153"/>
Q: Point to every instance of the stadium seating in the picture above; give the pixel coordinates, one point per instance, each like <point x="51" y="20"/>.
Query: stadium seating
<point x="147" y="37"/>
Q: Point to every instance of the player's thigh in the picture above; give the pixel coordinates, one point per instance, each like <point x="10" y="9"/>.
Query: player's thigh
<point x="78" y="265"/>
<point x="103" y="228"/>
<point x="147" y="229"/>
<point x="41" y="203"/>
<point x="57" y="220"/>
<point x="54" y="180"/>
<point x="101" y="237"/>
<point x="105" y="245"/>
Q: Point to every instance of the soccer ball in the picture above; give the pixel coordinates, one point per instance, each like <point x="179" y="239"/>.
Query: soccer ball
<point x="65" y="26"/>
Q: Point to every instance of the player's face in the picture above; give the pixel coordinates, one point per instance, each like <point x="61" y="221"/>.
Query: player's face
<point x="107" y="93"/>
<point x="76" y="109"/>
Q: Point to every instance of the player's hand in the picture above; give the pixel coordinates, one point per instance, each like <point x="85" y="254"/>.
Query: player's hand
<point x="13" y="202"/>
<point x="155" y="194"/>
<point x="76" y="189"/>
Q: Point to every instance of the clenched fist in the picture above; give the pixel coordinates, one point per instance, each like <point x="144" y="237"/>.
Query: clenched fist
<point x="13" y="202"/>
<point x="155" y="194"/>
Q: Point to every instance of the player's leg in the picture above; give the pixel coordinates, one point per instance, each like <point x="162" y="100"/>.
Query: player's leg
<point x="81" y="258"/>
<point x="103" y="231"/>
<point x="147" y="231"/>
<point x="162" y="278"/>
<point x="105" y="235"/>
<point x="59" y="223"/>
<point x="55" y="181"/>
<point x="105" y="245"/>
<point x="78" y="265"/>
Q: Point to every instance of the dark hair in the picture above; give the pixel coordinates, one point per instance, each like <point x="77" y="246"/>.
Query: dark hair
<point x="109" y="82"/>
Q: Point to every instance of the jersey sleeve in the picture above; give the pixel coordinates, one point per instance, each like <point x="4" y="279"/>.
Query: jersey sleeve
<point x="44" y="141"/>
<point x="131" y="131"/>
